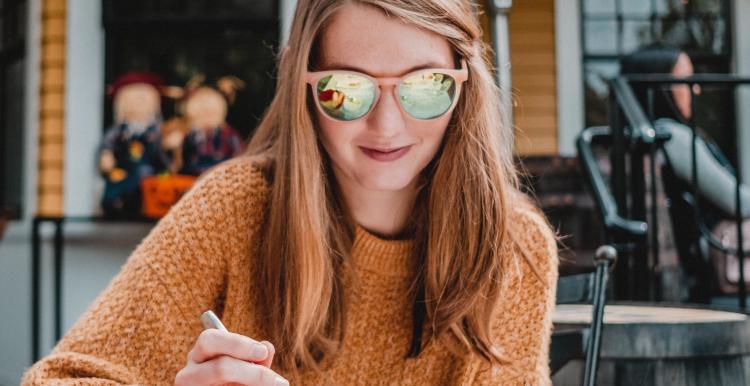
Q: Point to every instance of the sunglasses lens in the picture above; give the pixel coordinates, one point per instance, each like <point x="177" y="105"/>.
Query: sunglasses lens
<point x="427" y="95"/>
<point x="345" y="96"/>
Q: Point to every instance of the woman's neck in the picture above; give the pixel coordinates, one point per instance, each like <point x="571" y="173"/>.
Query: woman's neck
<point x="384" y="213"/>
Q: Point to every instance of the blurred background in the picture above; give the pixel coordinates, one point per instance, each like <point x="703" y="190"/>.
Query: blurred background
<point x="82" y="83"/>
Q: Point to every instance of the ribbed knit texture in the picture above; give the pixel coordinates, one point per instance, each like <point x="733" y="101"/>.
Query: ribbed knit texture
<point x="202" y="255"/>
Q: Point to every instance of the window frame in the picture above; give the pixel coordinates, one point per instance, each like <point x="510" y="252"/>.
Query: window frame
<point x="13" y="15"/>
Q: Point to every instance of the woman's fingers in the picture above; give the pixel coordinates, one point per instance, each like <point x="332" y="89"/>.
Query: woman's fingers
<point x="212" y="343"/>
<point x="225" y="358"/>
<point x="271" y="350"/>
<point x="225" y="369"/>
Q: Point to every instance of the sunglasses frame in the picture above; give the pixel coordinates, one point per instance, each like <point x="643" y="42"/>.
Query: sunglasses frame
<point x="459" y="75"/>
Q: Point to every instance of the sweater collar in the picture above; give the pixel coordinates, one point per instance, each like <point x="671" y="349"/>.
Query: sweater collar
<point x="382" y="256"/>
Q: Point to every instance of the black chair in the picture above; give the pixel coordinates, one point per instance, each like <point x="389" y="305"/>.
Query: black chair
<point x="580" y="343"/>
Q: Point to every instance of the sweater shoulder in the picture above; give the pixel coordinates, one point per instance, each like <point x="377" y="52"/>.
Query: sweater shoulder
<point x="226" y="202"/>
<point x="237" y="176"/>
<point x="522" y="318"/>
<point x="210" y="227"/>
<point x="234" y="187"/>
<point x="534" y="242"/>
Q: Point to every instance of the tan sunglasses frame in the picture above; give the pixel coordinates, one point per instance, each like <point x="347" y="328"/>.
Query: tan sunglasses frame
<point x="459" y="75"/>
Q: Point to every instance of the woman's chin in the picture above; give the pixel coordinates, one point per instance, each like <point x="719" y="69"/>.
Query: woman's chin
<point x="392" y="181"/>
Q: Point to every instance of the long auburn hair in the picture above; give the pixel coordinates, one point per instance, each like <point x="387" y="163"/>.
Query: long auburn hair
<point x="459" y="219"/>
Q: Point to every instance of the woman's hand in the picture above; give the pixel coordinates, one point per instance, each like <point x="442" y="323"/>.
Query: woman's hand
<point x="225" y="358"/>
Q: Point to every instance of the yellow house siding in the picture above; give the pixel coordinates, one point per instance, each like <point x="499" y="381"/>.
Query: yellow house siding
<point x="50" y="185"/>
<point x="532" y="54"/>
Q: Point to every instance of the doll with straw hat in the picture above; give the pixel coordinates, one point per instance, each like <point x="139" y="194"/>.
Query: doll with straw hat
<point x="131" y="149"/>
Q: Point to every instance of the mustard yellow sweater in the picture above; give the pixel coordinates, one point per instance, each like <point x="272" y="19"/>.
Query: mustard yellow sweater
<point x="201" y="256"/>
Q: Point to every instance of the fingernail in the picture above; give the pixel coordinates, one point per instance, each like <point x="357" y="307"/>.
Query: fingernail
<point x="260" y="351"/>
<point x="281" y="382"/>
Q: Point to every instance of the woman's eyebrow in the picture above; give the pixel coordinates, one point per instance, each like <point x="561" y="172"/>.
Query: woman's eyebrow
<point x="338" y="66"/>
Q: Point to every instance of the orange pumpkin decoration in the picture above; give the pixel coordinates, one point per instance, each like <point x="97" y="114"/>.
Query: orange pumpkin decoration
<point x="161" y="192"/>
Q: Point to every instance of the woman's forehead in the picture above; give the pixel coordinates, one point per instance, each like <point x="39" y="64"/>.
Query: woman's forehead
<point x="363" y="37"/>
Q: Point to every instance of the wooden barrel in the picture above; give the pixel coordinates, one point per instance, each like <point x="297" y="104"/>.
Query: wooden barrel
<point x="651" y="344"/>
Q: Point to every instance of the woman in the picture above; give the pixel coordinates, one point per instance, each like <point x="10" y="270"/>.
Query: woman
<point x="374" y="233"/>
<point x="672" y="110"/>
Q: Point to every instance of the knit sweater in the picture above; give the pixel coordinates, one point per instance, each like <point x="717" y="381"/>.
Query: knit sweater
<point x="202" y="255"/>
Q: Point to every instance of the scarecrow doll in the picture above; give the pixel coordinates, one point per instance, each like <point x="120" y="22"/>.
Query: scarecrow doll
<point x="210" y="139"/>
<point x="131" y="148"/>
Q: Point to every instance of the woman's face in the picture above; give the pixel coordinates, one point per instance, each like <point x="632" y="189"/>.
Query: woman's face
<point x="682" y="98"/>
<point x="384" y="151"/>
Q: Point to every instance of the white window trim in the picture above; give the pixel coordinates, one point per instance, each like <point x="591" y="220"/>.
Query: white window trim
<point x="84" y="77"/>
<point x="84" y="87"/>
<point x="741" y="47"/>
<point x="31" y="107"/>
<point x="569" y="73"/>
<point x="286" y="11"/>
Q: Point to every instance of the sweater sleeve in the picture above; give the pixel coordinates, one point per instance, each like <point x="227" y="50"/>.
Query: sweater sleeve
<point x="522" y="326"/>
<point x="139" y="330"/>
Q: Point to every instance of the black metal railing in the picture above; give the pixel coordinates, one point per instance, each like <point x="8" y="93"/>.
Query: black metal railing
<point x="634" y="140"/>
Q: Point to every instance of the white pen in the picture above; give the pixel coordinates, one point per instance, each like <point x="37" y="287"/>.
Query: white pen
<point x="210" y="320"/>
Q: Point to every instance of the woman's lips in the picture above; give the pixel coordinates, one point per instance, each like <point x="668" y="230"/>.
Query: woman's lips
<point x="385" y="155"/>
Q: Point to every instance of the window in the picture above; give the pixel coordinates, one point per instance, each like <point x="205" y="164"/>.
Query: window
<point x="12" y="71"/>
<point x="228" y="47"/>
<point x="178" y="39"/>
<point x="614" y="28"/>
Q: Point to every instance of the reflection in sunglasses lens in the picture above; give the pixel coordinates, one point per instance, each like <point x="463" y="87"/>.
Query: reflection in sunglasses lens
<point x="345" y="96"/>
<point x="427" y="95"/>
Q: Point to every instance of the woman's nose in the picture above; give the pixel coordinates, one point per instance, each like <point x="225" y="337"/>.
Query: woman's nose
<point x="387" y="118"/>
